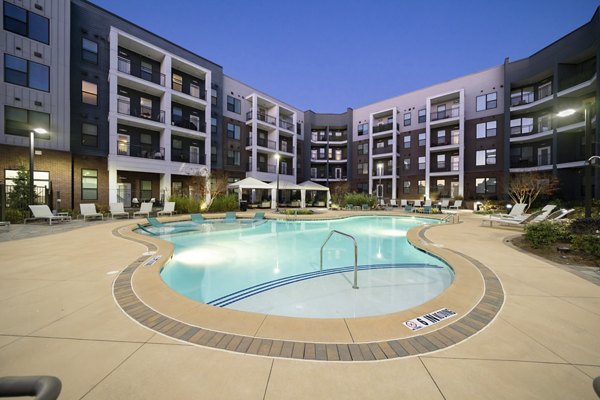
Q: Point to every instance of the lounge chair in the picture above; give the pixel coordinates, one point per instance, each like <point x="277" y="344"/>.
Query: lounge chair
<point x="516" y="221"/>
<point x="393" y="203"/>
<point x="230" y="216"/>
<point x="403" y="203"/>
<point x="445" y="203"/>
<point x="417" y="203"/>
<point x="427" y="209"/>
<point x="457" y="204"/>
<point x="117" y="209"/>
<point x="169" y="208"/>
<point x="88" y="210"/>
<point x="259" y="215"/>
<point x="559" y="214"/>
<point x="349" y="207"/>
<point x="545" y="212"/>
<point x="365" y="207"/>
<point x="516" y="211"/>
<point x="43" y="212"/>
<point x="198" y="218"/>
<point x="427" y="203"/>
<point x="145" y="210"/>
<point x="409" y="208"/>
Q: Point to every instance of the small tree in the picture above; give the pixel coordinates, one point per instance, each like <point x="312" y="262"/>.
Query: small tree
<point x="338" y="191"/>
<point x="526" y="187"/>
<point x="201" y="188"/>
<point x="18" y="197"/>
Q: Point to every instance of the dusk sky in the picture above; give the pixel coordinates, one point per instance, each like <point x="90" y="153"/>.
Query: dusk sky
<point x="329" y="55"/>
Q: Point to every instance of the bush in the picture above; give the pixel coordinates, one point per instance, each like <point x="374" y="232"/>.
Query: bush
<point x="185" y="204"/>
<point x="358" y="199"/>
<point x="545" y="233"/>
<point x="15" y="216"/>
<point x="585" y="226"/>
<point x="302" y="211"/>
<point x="589" y="244"/>
<point x="224" y="203"/>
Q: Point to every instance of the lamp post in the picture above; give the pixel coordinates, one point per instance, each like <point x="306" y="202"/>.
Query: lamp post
<point x="39" y="131"/>
<point x="277" y="157"/>
<point x="587" y="171"/>
<point x="379" y="187"/>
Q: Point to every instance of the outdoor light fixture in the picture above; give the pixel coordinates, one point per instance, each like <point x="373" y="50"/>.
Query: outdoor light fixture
<point x="587" y="178"/>
<point x="277" y="158"/>
<point x="39" y="131"/>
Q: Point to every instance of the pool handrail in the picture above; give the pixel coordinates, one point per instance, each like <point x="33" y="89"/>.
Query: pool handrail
<point x="355" y="285"/>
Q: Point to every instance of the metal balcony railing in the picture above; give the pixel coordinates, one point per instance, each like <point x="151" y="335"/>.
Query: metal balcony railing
<point x="134" y="69"/>
<point x="383" y="150"/>
<point x="124" y="107"/>
<point x="262" y="117"/>
<point x="383" y="127"/>
<point x="191" y="124"/>
<point x="186" y="156"/>
<point x="141" y="151"/>
<point x="451" y="113"/>
<point x="286" y="125"/>
<point x="190" y="90"/>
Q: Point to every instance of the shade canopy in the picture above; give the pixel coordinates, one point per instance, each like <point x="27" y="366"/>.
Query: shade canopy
<point x="286" y="185"/>
<point x="249" y="183"/>
<point x="310" y="185"/>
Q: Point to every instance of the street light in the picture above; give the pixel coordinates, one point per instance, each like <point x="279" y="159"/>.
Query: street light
<point x="277" y="157"/>
<point x="379" y="187"/>
<point x="39" y="131"/>
<point x="587" y="177"/>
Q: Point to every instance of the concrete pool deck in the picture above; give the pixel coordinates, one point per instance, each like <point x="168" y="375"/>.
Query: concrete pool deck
<point x="58" y="317"/>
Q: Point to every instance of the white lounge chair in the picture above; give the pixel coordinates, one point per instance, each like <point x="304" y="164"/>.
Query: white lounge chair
<point x="445" y="203"/>
<point x="145" y="210"/>
<point x="545" y="212"/>
<point x="118" y="210"/>
<point x="427" y="203"/>
<point x="169" y="209"/>
<point x="43" y="212"/>
<point x="515" y="212"/>
<point x="403" y="203"/>
<point x="393" y="203"/>
<point x="516" y="221"/>
<point x="457" y="204"/>
<point x="417" y="203"/>
<point x="88" y="210"/>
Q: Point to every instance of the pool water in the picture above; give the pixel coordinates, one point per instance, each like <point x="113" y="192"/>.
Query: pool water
<point x="274" y="267"/>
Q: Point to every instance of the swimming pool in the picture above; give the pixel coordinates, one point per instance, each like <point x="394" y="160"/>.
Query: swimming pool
<point x="274" y="267"/>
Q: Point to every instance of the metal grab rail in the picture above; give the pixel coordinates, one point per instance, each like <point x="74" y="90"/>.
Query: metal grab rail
<point x="355" y="285"/>
<point x="453" y="216"/>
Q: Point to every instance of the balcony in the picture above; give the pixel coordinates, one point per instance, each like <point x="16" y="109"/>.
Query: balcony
<point x="190" y="90"/>
<point x="185" y="156"/>
<point x="124" y="108"/>
<point x="262" y="117"/>
<point x="383" y="127"/>
<point x="269" y="144"/>
<point x="445" y="114"/>
<point x="140" y="151"/>
<point x="286" y="125"/>
<point x="268" y="168"/>
<point x="383" y="150"/>
<point x="125" y="66"/>
<point x="191" y="124"/>
<point x="542" y="162"/>
<point x="286" y="148"/>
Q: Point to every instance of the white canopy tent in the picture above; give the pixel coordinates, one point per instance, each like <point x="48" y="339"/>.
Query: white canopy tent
<point x="313" y="186"/>
<point x="249" y="184"/>
<point x="254" y="184"/>
<point x="286" y="185"/>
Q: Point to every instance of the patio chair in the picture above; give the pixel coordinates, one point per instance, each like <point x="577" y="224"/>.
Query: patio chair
<point x="445" y="203"/>
<point x="393" y="203"/>
<point x="43" y="212"/>
<point x="409" y="208"/>
<point x="169" y="208"/>
<point x="230" y="216"/>
<point x="198" y="218"/>
<point x="145" y="210"/>
<point x="427" y="203"/>
<point x="427" y="209"/>
<point x="349" y="207"/>
<point x="417" y="203"/>
<point x="365" y="207"/>
<point x="259" y="215"/>
<point x="516" y="221"/>
<point x="403" y="203"/>
<point x="559" y="214"/>
<point x="88" y="210"/>
<point x="516" y="211"/>
<point x="457" y="204"/>
<point x="117" y="209"/>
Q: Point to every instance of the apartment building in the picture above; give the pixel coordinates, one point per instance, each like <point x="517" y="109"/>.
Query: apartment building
<point x="131" y="115"/>
<point x="35" y="90"/>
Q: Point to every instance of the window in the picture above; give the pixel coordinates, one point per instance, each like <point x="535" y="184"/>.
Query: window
<point x="521" y="96"/>
<point x="213" y="97"/>
<point x="145" y="108"/>
<point x="441" y="161"/>
<point x="454" y="163"/>
<point x="89" y="134"/>
<point x="486" y="157"/>
<point x="363" y="168"/>
<point x="422" y="115"/>
<point x="363" y="149"/>
<point x="89" y="50"/>
<point x="330" y="153"/>
<point x="362" y="187"/>
<point x="177" y="82"/>
<point x="234" y="105"/>
<point x="177" y="144"/>
<point x="422" y="139"/>
<point x="233" y="157"/>
<point x="487" y="101"/>
<point x="22" y="72"/>
<point x="544" y="123"/>
<point x="19" y="121"/>
<point x="407" y="164"/>
<point x="26" y="23"/>
<point x="213" y="126"/>
<point x="486" y="129"/>
<point x="521" y="126"/>
<point x="233" y="131"/>
<point x="421" y="187"/>
<point x="441" y="137"/>
<point x="89" y="93"/>
<point x="313" y="154"/>
<point x="407" y="142"/>
<point x="421" y="163"/>
<point x="406" y="187"/>
<point x="455" y="136"/>
<point x="407" y="119"/>
<point x="440" y="185"/>
<point x="363" y="129"/>
<point x="89" y="184"/>
<point x="545" y="90"/>
<point x="485" y="185"/>
<point x="146" y="190"/>
<point x="146" y="71"/>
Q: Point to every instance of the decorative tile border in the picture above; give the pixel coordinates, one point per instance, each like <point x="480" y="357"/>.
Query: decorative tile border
<point x="471" y="323"/>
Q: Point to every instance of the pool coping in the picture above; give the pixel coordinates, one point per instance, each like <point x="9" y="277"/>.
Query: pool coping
<point x="476" y="295"/>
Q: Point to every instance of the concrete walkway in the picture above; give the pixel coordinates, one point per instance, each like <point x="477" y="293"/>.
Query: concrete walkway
<point x="58" y="317"/>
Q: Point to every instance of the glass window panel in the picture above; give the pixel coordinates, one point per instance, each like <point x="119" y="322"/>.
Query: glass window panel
<point x="481" y="131"/>
<point x="39" y="76"/>
<point x="480" y="103"/>
<point x="38" y="28"/>
<point x="39" y="120"/>
<point x="15" y="19"/>
<point x="480" y="157"/>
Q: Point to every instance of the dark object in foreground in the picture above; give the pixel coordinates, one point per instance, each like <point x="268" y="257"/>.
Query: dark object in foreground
<point x="42" y="387"/>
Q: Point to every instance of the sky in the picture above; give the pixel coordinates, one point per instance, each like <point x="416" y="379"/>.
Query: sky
<point x="327" y="55"/>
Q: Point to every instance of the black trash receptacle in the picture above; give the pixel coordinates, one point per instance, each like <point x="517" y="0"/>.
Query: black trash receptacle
<point x="243" y="205"/>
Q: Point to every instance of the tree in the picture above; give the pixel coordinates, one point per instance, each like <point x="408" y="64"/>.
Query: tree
<point x="207" y="186"/>
<point x="526" y="187"/>
<point x="338" y="190"/>
<point x="18" y="196"/>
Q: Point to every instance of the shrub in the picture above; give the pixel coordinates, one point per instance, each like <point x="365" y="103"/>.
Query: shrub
<point x="545" y="233"/>
<point x="585" y="226"/>
<point x="185" y="204"/>
<point x="589" y="244"/>
<point x="303" y="211"/>
<point x="358" y="199"/>
<point x="15" y="216"/>
<point x="228" y="202"/>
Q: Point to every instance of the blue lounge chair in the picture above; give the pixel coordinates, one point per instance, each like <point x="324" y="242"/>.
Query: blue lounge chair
<point x="198" y="218"/>
<point x="259" y="215"/>
<point x="230" y="216"/>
